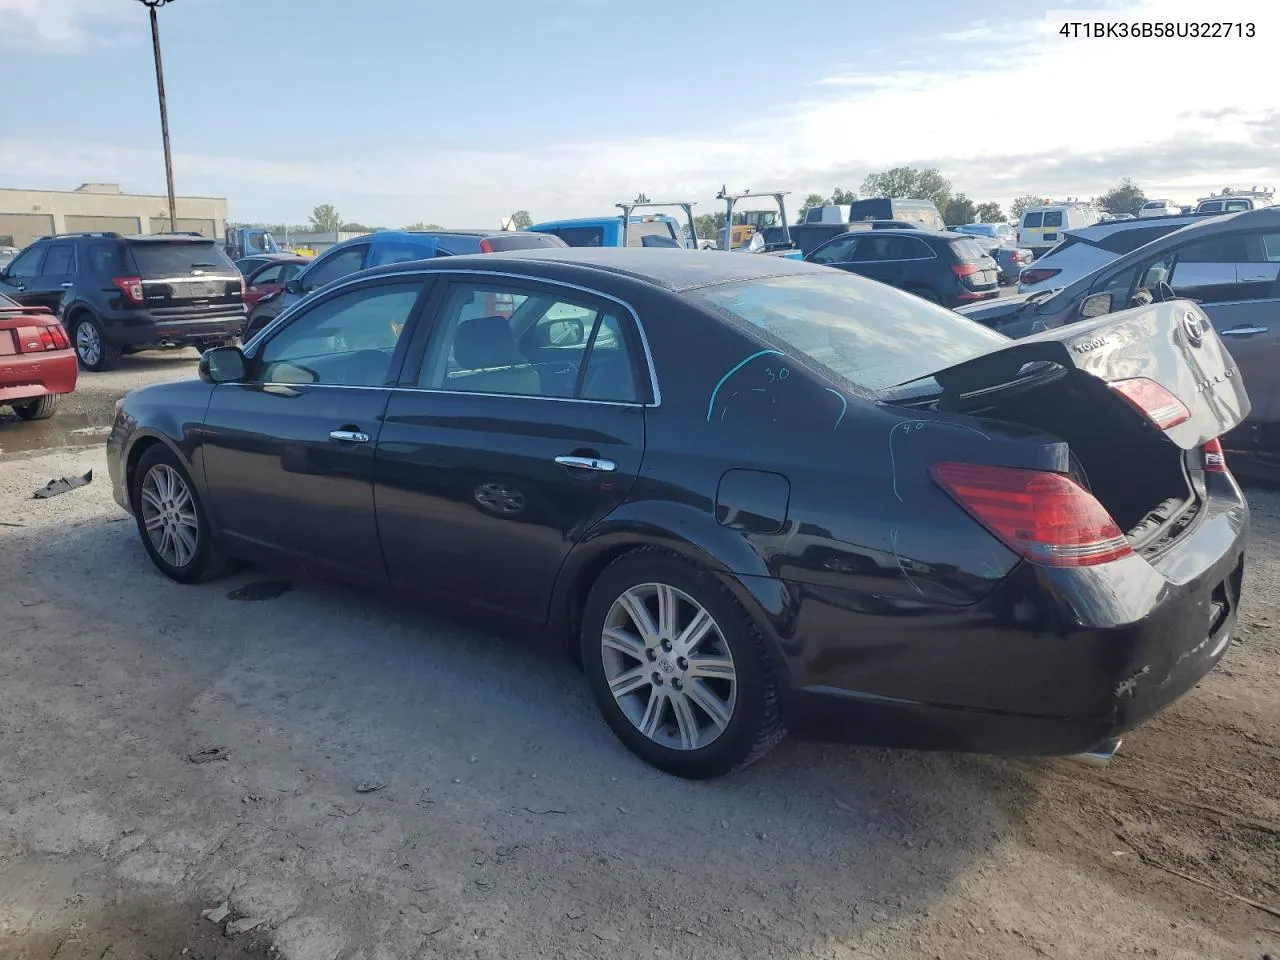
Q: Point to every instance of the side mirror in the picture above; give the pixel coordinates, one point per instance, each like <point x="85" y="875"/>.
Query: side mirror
<point x="294" y="287"/>
<point x="1096" y="305"/>
<point x="223" y="365"/>
<point x="566" y="333"/>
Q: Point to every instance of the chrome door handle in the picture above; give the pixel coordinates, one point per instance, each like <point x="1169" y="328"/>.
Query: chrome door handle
<point x="349" y="436"/>
<point x="67" y="286"/>
<point x="1242" y="331"/>
<point x="587" y="463"/>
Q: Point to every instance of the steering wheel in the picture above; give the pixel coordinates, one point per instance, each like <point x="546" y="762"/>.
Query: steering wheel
<point x="1164" y="292"/>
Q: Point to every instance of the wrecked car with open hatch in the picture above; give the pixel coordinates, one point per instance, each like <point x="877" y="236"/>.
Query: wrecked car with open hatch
<point x="751" y="494"/>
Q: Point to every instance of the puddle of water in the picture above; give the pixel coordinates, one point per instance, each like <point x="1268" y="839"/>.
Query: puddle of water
<point x="62" y="431"/>
<point x="261" y="590"/>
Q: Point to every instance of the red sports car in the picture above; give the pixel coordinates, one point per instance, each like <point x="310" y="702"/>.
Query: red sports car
<point x="37" y="362"/>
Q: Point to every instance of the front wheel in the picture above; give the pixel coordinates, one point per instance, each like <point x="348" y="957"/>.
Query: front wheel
<point x="677" y="668"/>
<point x="39" y="409"/>
<point x="171" y="519"/>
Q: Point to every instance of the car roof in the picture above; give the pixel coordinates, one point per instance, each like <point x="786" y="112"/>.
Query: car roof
<point x="676" y="269"/>
<point x="912" y="232"/>
<point x="1106" y="228"/>
<point x="160" y="238"/>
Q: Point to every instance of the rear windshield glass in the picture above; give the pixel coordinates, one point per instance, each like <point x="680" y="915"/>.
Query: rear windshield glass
<point x="524" y="241"/>
<point x="967" y="250"/>
<point x="1033" y="219"/>
<point x="176" y="258"/>
<point x="636" y="232"/>
<point x="582" y="236"/>
<point x="1129" y="240"/>
<point x="1053" y="218"/>
<point x="866" y="334"/>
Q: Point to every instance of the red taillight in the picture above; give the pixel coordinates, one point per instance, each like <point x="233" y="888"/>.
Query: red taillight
<point x="39" y="339"/>
<point x="486" y="246"/>
<point x="1159" y="405"/>
<point x="131" y="287"/>
<point x="1037" y="276"/>
<point x="1215" y="458"/>
<point x="1046" y="518"/>
<point x="1015" y="257"/>
<point x="965" y="269"/>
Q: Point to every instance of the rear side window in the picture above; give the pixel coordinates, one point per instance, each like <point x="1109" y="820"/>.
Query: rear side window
<point x="1212" y="207"/>
<point x="967" y="251"/>
<point x="524" y="240"/>
<point x="1052" y="218"/>
<point x="166" y="258"/>
<point x="853" y="328"/>
<point x="104" y="258"/>
<point x="582" y="236"/>
<point x="1033" y="219"/>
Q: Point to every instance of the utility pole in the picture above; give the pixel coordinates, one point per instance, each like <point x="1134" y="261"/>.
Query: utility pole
<point x="152" y="6"/>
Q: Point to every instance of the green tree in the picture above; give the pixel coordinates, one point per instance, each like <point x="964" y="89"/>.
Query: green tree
<point x="420" y="226"/>
<point x="1021" y="203"/>
<point x="325" y="219"/>
<point x="959" y="209"/>
<point x="1127" y="197"/>
<point x="990" y="213"/>
<point x="908" y="183"/>
<point x="355" y="228"/>
<point x="842" y="196"/>
<point x="709" y="225"/>
<point x="521" y="219"/>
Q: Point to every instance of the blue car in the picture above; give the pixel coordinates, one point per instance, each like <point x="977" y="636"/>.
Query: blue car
<point x="381" y="248"/>
<point x="643" y="230"/>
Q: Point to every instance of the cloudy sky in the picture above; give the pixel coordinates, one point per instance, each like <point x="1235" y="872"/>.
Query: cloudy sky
<point x="461" y="113"/>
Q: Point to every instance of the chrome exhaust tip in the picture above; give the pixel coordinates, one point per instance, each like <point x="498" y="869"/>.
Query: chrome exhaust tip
<point x="1100" y="755"/>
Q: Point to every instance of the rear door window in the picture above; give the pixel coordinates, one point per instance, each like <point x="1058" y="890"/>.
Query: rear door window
<point x="1125" y="241"/>
<point x="60" y="261"/>
<point x="401" y="251"/>
<point x="839" y="250"/>
<point x="157" y="259"/>
<point x="1052" y="218"/>
<point x="104" y="258"/>
<point x="1033" y="220"/>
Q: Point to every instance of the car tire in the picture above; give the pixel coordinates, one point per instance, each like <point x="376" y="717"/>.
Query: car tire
<point x="162" y="490"/>
<point x="255" y="323"/>
<point x="41" y="408"/>
<point x="701" y="716"/>
<point x="94" y="351"/>
<point x="924" y="293"/>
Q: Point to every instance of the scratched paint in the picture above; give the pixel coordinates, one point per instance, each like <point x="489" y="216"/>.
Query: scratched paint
<point x="907" y="427"/>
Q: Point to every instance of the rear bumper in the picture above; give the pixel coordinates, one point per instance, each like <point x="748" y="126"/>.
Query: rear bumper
<point x="33" y="375"/>
<point x="1054" y="661"/>
<point x="144" y="329"/>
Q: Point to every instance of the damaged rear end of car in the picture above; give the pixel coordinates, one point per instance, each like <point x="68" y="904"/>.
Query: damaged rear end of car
<point x="1131" y="545"/>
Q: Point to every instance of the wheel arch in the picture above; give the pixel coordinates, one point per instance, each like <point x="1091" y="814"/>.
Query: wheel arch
<point x="143" y="441"/>
<point x="685" y="532"/>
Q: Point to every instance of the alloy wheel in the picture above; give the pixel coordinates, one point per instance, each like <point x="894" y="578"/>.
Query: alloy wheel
<point x="169" y="515"/>
<point x="668" y="666"/>
<point x="88" y="343"/>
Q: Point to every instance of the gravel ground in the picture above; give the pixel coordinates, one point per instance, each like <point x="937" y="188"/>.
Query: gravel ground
<point x="399" y="785"/>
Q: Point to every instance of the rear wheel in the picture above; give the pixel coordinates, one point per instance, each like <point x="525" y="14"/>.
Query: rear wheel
<point x="677" y="667"/>
<point x="924" y="293"/>
<point x="94" y="351"/>
<point x="39" y="409"/>
<point x="171" y="519"/>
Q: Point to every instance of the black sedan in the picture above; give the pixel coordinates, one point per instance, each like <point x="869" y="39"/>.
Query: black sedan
<point x="946" y="268"/>
<point x="752" y="494"/>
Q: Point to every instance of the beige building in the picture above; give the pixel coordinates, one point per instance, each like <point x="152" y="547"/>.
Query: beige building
<point x="27" y="214"/>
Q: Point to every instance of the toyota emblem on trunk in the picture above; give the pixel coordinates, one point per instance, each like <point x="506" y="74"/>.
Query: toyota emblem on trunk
<point x="1195" y="329"/>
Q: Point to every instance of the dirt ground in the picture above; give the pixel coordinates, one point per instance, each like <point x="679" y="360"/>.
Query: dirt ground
<point x="393" y="785"/>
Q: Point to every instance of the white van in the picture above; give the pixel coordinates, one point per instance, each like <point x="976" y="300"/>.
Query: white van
<point x="1236" y="202"/>
<point x="1160" y="208"/>
<point x="1041" y="228"/>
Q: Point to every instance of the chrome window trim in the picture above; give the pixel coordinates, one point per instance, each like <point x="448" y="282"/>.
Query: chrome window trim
<point x="505" y="274"/>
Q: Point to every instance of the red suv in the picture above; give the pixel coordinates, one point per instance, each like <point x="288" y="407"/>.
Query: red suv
<point x="37" y="363"/>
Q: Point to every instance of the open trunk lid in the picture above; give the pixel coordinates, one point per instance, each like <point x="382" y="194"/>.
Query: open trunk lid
<point x="1172" y="344"/>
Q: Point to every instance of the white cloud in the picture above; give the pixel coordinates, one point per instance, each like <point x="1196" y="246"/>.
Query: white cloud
<point x="1011" y="108"/>
<point x="64" y="25"/>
